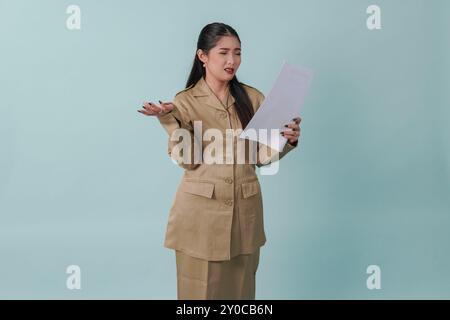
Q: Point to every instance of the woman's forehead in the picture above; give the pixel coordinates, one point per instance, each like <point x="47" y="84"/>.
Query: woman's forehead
<point x="227" y="42"/>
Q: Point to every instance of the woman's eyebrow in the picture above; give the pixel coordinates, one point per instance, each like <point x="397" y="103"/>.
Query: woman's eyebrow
<point x="229" y="48"/>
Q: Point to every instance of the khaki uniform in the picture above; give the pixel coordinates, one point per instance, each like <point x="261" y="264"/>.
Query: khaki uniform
<point x="217" y="213"/>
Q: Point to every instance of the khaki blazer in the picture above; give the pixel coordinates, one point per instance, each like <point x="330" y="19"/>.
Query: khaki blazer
<point x="200" y="218"/>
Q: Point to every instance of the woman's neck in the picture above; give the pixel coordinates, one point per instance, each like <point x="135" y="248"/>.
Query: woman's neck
<point x="220" y="88"/>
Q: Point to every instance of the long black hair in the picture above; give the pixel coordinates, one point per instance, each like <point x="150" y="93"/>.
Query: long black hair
<point x="208" y="38"/>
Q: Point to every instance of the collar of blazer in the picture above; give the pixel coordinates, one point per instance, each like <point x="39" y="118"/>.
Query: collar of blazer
<point x="201" y="89"/>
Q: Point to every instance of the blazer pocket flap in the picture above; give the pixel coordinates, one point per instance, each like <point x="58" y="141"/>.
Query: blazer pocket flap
<point x="250" y="189"/>
<point x="204" y="189"/>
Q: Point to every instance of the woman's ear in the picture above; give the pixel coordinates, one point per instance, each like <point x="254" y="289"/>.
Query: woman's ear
<point x="201" y="55"/>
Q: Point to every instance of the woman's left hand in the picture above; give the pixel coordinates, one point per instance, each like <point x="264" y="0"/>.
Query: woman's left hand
<point x="293" y="134"/>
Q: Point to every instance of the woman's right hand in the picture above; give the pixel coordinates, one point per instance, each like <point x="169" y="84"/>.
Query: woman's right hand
<point x="151" y="109"/>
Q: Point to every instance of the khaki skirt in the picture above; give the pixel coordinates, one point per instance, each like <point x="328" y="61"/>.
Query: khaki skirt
<point x="199" y="279"/>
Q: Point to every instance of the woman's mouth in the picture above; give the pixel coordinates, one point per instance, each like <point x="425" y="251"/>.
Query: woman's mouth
<point x="229" y="70"/>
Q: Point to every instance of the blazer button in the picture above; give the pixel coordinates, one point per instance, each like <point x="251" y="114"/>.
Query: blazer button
<point x="229" y="202"/>
<point x="229" y="180"/>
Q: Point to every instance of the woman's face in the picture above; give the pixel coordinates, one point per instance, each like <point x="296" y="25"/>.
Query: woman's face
<point x="222" y="61"/>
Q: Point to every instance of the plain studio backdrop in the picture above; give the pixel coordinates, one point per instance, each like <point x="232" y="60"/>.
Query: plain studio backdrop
<point x="85" y="180"/>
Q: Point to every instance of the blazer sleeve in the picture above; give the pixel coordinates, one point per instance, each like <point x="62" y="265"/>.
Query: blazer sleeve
<point x="265" y="154"/>
<point x="178" y="118"/>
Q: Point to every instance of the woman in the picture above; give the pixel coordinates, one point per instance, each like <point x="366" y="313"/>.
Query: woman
<point x="216" y="221"/>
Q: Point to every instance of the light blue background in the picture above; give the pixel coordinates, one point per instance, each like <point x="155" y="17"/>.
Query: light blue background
<point x="85" y="179"/>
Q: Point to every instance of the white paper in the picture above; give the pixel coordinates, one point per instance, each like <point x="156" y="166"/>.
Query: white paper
<point x="280" y="106"/>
